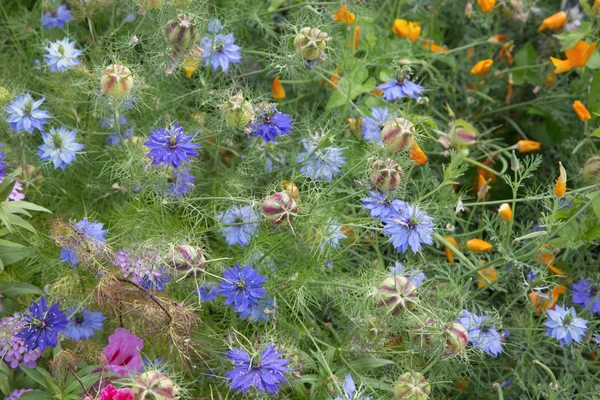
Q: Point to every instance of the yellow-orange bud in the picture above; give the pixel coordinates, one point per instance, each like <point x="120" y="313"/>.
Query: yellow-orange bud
<point x="505" y="212"/>
<point x="560" y="187"/>
<point x="525" y="146"/>
<point x="449" y="253"/>
<point x="486" y="5"/>
<point x="344" y="16"/>
<point x="479" y="246"/>
<point x="417" y="155"/>
<point x="277" y="89"/>
<point x="554" y="22"/>
<point x="581" y="111"/>
<point x="482" y="67"/>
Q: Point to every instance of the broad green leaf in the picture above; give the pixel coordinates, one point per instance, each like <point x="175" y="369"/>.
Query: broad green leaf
<point x="524" y="57"/>
<point x="368" y="363"/>
<point x="11" y="289"/>
<point x="596" y="133"/>
<point x="594" y="61"/>
<point x="595" y="203"/>
<point x="36" y="396"/>
<point x="18" y="221"/>
<point x="350" y="87"/>
<point x="569" y="39"/>
<point x="593" y="101"/>
<point x="6" y="188"/>
<point x="10" y="255"/>
<point x="26" y="205"/>
<point x="8" y="243"/>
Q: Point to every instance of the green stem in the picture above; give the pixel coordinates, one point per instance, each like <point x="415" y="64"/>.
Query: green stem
<point x="549" y="372"/>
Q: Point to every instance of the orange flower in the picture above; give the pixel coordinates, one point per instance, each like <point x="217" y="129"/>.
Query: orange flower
<point x="581" y="111"/>
<point x="482" y="67"/>
<point x="277" y="89"/>
<point x="449" y="253"/>
<point x="554" y="22"/>
<point x="525" y="146"/>
<point x="486" y="276"/>
<point x="190" y="64"/>
<point x="344" y="16"/>
<point x="505" y="212"/>
<point x="496" y="39"/>
<point x="486" y="5"/>
<point x="485" y="173"/>
<point x="431" y="45"/>
<point x="547" y="257"/>
<point x="506" y="51"/>
<point x="377" y="92"/>
<point x="349" y="232"/>
<point x="335" y="79"/>
<point x="479" y="246"/>
<point x="483" y="187"/>
<point x="560" y="187"/>
<point x="407" y="29"/>
<point x="417" y="155"/>
<point x="546" y="301"/>
<point x="550" y="80"/>
<point x="577" y="57"/>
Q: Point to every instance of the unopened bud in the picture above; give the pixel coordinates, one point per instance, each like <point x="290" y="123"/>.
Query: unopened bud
<point x="280" y="208"/>
<point x="238" y="113"/>
<point x="386" y="174"/>
<point x="398" y="134"/>
<point x="181" y="33"/>
<point x="310" y="43"/>
<point x="514" y="162"/>
<point x="116" y="81"/>
<point x="186" y="257"/>
<point x="413" y="386"/>
<point x="456" y="337"/>
<point x="153" y="385"/>
<point x="591" y="170"/>
<point x="396" y="293"/>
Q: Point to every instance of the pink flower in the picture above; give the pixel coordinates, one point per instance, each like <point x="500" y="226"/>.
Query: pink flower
<point x="112" y="393"/>
<point x="123" y="353"/>
<point x="16" y="194"/>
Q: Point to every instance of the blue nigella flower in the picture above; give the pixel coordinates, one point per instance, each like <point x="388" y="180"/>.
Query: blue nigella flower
<point x="208" y="292"/>
<point x="183" y="183"/>
<point x="220" y="50"/>
<point x="2" y="165"/>
<point x="415" y="276"/>
<point x="62" y="55"/>
<point x="171" y="146"/>
<point x="114" y="139"/>
<point x="156" y="279"/>
<point x="274" y="161"/>
<point x="584" y="292"/>
<point x="320" y="163"/>
<point x="564" y="325"/>
<point x="371" y="127"/>
<point x="83" y="323"/>
<point x="350" y="392"/>
<point x="332" y="235"/>
<point x="60" y="147"/>
<point x="24" y="114"/>
<point x="378" y="204"/>
<point x="482" y="334"/>
<point x="263" y="372"/>
<point x="408" y="227"/>
<point x="239" y="225"/>
<point x="242" y="287"/>
<point x="89" y="235"/>
<point x="58" y="18"/>
<point x="270" y="123"/>
<point x="42" y="325"/>
<point x="394" y="89"/>
<point x="214" y="26"/>
<point x="257" y="313"/>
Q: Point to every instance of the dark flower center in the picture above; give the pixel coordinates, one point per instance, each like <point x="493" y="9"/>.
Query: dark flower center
<point x="79" y="319"/>
<point x="241" y="284"/>
<point x="219" y="47"/>
<point x="413" y="222"/>
<point x="567" y="319"/>
<point x="173" y="141"/>
<point x="27" y="108"/>
<point x="238" y="220"/>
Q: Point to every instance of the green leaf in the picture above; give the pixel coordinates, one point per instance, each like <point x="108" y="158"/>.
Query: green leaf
<point x="593" y="101"/>
<point x="351" y="87"/>
<point x="594" y="61"/>
<point x="10" y="255"/>
<point x="6" y="188"/>
<point x="368" y="363"/>
<point x="596" y="133"/>
<point x="524" y="57"/>
<point x="595" y="203"/>
<point x="11" y="289"/>
<point x="26" y="206"/>
<point x="18" y="221"/>
<point x="36" y="396"/>
<point x="569" y="39"/>
<point x="35" y="375"/>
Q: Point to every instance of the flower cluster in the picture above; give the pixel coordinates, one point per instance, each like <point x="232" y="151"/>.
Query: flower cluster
<point x="13" y="349"/>
<point x="143" y="266"/>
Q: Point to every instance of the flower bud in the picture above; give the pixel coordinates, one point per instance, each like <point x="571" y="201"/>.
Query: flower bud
<point x="116" y="81"/>
<point x="153" y="385"/>
<point x="181" y="33"/>
<point x="591" y="169"/>
<point x="395" y="294"/>
<point x="412" y="386"/>
<point x="386" y="174"/>
<point x="280" y="208"/>
<point x="456" y="337"/>
<point x="463" y="137"/>
<point x="514" y="162"/>
<point x="398" y="134"/>
<point x="150" y="4"/>
<point x="4" y="95"/>
<point x="30" y="175"/>
<point x="186" y="257"/>
<point x="310" y="43"/>
<point x="237" y="112"/>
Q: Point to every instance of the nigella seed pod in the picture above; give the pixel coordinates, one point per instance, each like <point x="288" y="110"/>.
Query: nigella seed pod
<point x="591" y="170"/>
<point x="153" y="385"/>
<point x="116" y="81"/>
<point x="238" y="113"/>
<point x="280" y="208"/>
<point x="186" y="257"/>
<point x="456" y="337"/>
<point x="396" y="293"/>
<point x="463" y="137"/>
<point x="150" y="4"/>
<point x="181" y="33"/>
<point x="310" y="43"/>
<point x="385" y="174"/>
<point x="412" y="386"/>
<point x="398" y="134"/>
